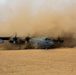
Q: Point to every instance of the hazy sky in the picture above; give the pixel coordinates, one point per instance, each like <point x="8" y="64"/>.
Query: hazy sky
<point x="9" y="7"/>
<point x="36" y="5"/>
<point x="27" y="13"/>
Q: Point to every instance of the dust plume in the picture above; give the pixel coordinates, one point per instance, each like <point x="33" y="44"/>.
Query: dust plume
<point x="46" y="22"/>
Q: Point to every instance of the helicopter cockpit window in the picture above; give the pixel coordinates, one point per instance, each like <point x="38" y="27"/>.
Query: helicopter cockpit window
<point x="47" y="39"/>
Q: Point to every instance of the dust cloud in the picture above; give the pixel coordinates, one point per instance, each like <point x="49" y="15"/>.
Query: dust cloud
<point x="46" y="22"/>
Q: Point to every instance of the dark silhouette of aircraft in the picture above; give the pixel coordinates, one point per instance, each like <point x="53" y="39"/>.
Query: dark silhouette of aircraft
<point x="43" y="42"/>
<point x="12" y="39"/>
<point x="34" y="42"/>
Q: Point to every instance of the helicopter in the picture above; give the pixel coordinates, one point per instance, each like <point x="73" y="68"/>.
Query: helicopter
<point x="34" y="42"/>
<point x="43" y="42"/>
<point x="12" y="39"/>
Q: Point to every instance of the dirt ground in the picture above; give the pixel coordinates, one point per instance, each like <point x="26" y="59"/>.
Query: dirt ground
<point x="38" y="62"/>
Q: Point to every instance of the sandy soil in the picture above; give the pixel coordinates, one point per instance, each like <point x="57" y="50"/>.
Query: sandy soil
<point x="38" y="62"/>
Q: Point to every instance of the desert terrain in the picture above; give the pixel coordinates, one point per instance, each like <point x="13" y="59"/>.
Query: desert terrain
<point x="50" y="18"/>
<point x="60" y="61"/>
